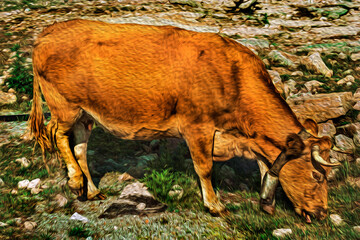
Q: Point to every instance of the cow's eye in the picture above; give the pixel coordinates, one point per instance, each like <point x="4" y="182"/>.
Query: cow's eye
<point x="317" y="176"/>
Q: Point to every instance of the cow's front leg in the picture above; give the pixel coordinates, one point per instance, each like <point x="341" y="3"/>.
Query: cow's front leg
<point x="82" y="130"/>
<point x="200" y="143"/>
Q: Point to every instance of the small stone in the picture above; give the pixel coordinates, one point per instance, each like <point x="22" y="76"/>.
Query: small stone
<point x="23" y="184"/>
<point x="11" y="90"/>
<point x="357" y="229"/>
<point x="78" y="217"/>
<point x="25" y="98"/>
<point x="23" y="161"/>
<point x="30" y="225"/>
<point x="125" y="177"/>
<point x="315" y="63"/>
<point x="3" y="224"/>
<point x="1" y="182"/>
<point x="358" y="161"/>
<point x="297" y="73"/>
<point x="34" y="183"/>
<point x="355" y="56"/>
<point x="61" y="200"/>
<point x="14" y="192"/>
<point x="282" y="232"/>
<point x="141" y="206"/>
<point x="344" y="142"/>
<point x="276" y="79"/>
<point x="176" y="192"/>
<point x="327" y="129"/>
<point x="342" y="56"/>
<point x="313" y="85"/>
<point x="36" y="191"/>
<point x="336" y="219"/>
<point x="346" y="80"/>
<point x="266" y="62"/>
<point x="18" y="221"/>
<point x="7" y="98"/>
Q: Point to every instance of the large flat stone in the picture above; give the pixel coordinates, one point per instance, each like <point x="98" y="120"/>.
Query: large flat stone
<point x="321" y="107"/>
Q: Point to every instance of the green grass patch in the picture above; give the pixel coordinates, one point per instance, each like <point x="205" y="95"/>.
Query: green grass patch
<point x="21" y="78"/>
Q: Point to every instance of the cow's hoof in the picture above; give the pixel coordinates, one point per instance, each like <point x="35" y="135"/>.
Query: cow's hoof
<point x="76" y="186"/>
<point x="270" y="209"/>
<point x="99" y="196"/>
<point x="217" y="209"/>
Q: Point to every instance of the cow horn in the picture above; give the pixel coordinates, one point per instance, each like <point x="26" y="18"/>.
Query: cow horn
<point x="316" y="155"/>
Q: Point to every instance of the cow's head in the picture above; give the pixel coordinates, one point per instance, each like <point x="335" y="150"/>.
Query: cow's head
<point x="304" y="179"/>
<point x="303" y="171"/>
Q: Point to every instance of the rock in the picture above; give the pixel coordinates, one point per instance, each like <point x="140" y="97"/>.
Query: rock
<point x="356" y="139"/>
<point x="30" y="225"/>
<point x="176" y="192"/>
<point x="279" y="57"/>
<point x="190" y="3"/>
<point x="110" y="179"/>
<point x="23" y="184"/>
<point x="276" y="79"/>
<point x="11" y="90"/>
<point x="334" y="32"/>
<point x="247" y="4"/>
<point x="7" y="98"/>
<point x="341" y="157"/>
<point x="61" y="200"/>
<point x="220" y="16"/>
<point x="356" y="229"/>
<point x="14" y="192"/>
<point x="282" y="232"/>
<point x="3" y="224"/>
<point x="355" y="56"/>
<point x="141" y="206"/>
<point x="290" y="88"/>
<point x="315" y="63"/>
<point x="332" y="174"/>
<point x="342" y="56"/>
<point x="1" y="182"/>
<point x="313" y="85"/>
<point x="344" y="142"/>
<point x="34" y="183"/>
<point x="257" y="44"/>
<point x="297" y="73"/>
<point x="135" y="199"/>
<point x="320" y="107"/>
<point x="125" y="177"/>
<point x="357" y="106"/>
<point x="145" y="159"/>
<point x="249" y="31"/>
<point x="36" y="190"/>
<point x="357" y="95"/>
<point x="299" y="23"/>
<point x="243" y="187"/>
<point x="336" y="219"/>
<point x="78" y="217"/>
<point x="327" y="129"/>
<point x="23" y="161"/>
<point x="346" y="80"/>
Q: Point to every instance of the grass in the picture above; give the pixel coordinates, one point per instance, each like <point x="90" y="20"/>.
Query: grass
<point x="21" y="78"/>
<point x="186" y="217"/>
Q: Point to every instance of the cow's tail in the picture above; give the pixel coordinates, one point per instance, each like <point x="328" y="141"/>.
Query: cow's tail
<point x="36" y="121"/>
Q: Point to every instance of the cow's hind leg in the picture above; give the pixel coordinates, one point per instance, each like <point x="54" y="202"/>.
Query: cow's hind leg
<point x="76" y="181"/>
<point x="200" y="143"/>
<point x="82" y="131"/>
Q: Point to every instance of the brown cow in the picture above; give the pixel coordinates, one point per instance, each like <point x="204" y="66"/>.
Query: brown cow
<point x="147" y="82"/>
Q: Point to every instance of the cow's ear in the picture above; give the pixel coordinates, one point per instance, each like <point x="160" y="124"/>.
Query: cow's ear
<point x="294" y="146"/>
<point x="311" y="126"/>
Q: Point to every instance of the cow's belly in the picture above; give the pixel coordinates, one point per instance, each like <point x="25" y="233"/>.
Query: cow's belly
<point x="138" y="131"/>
